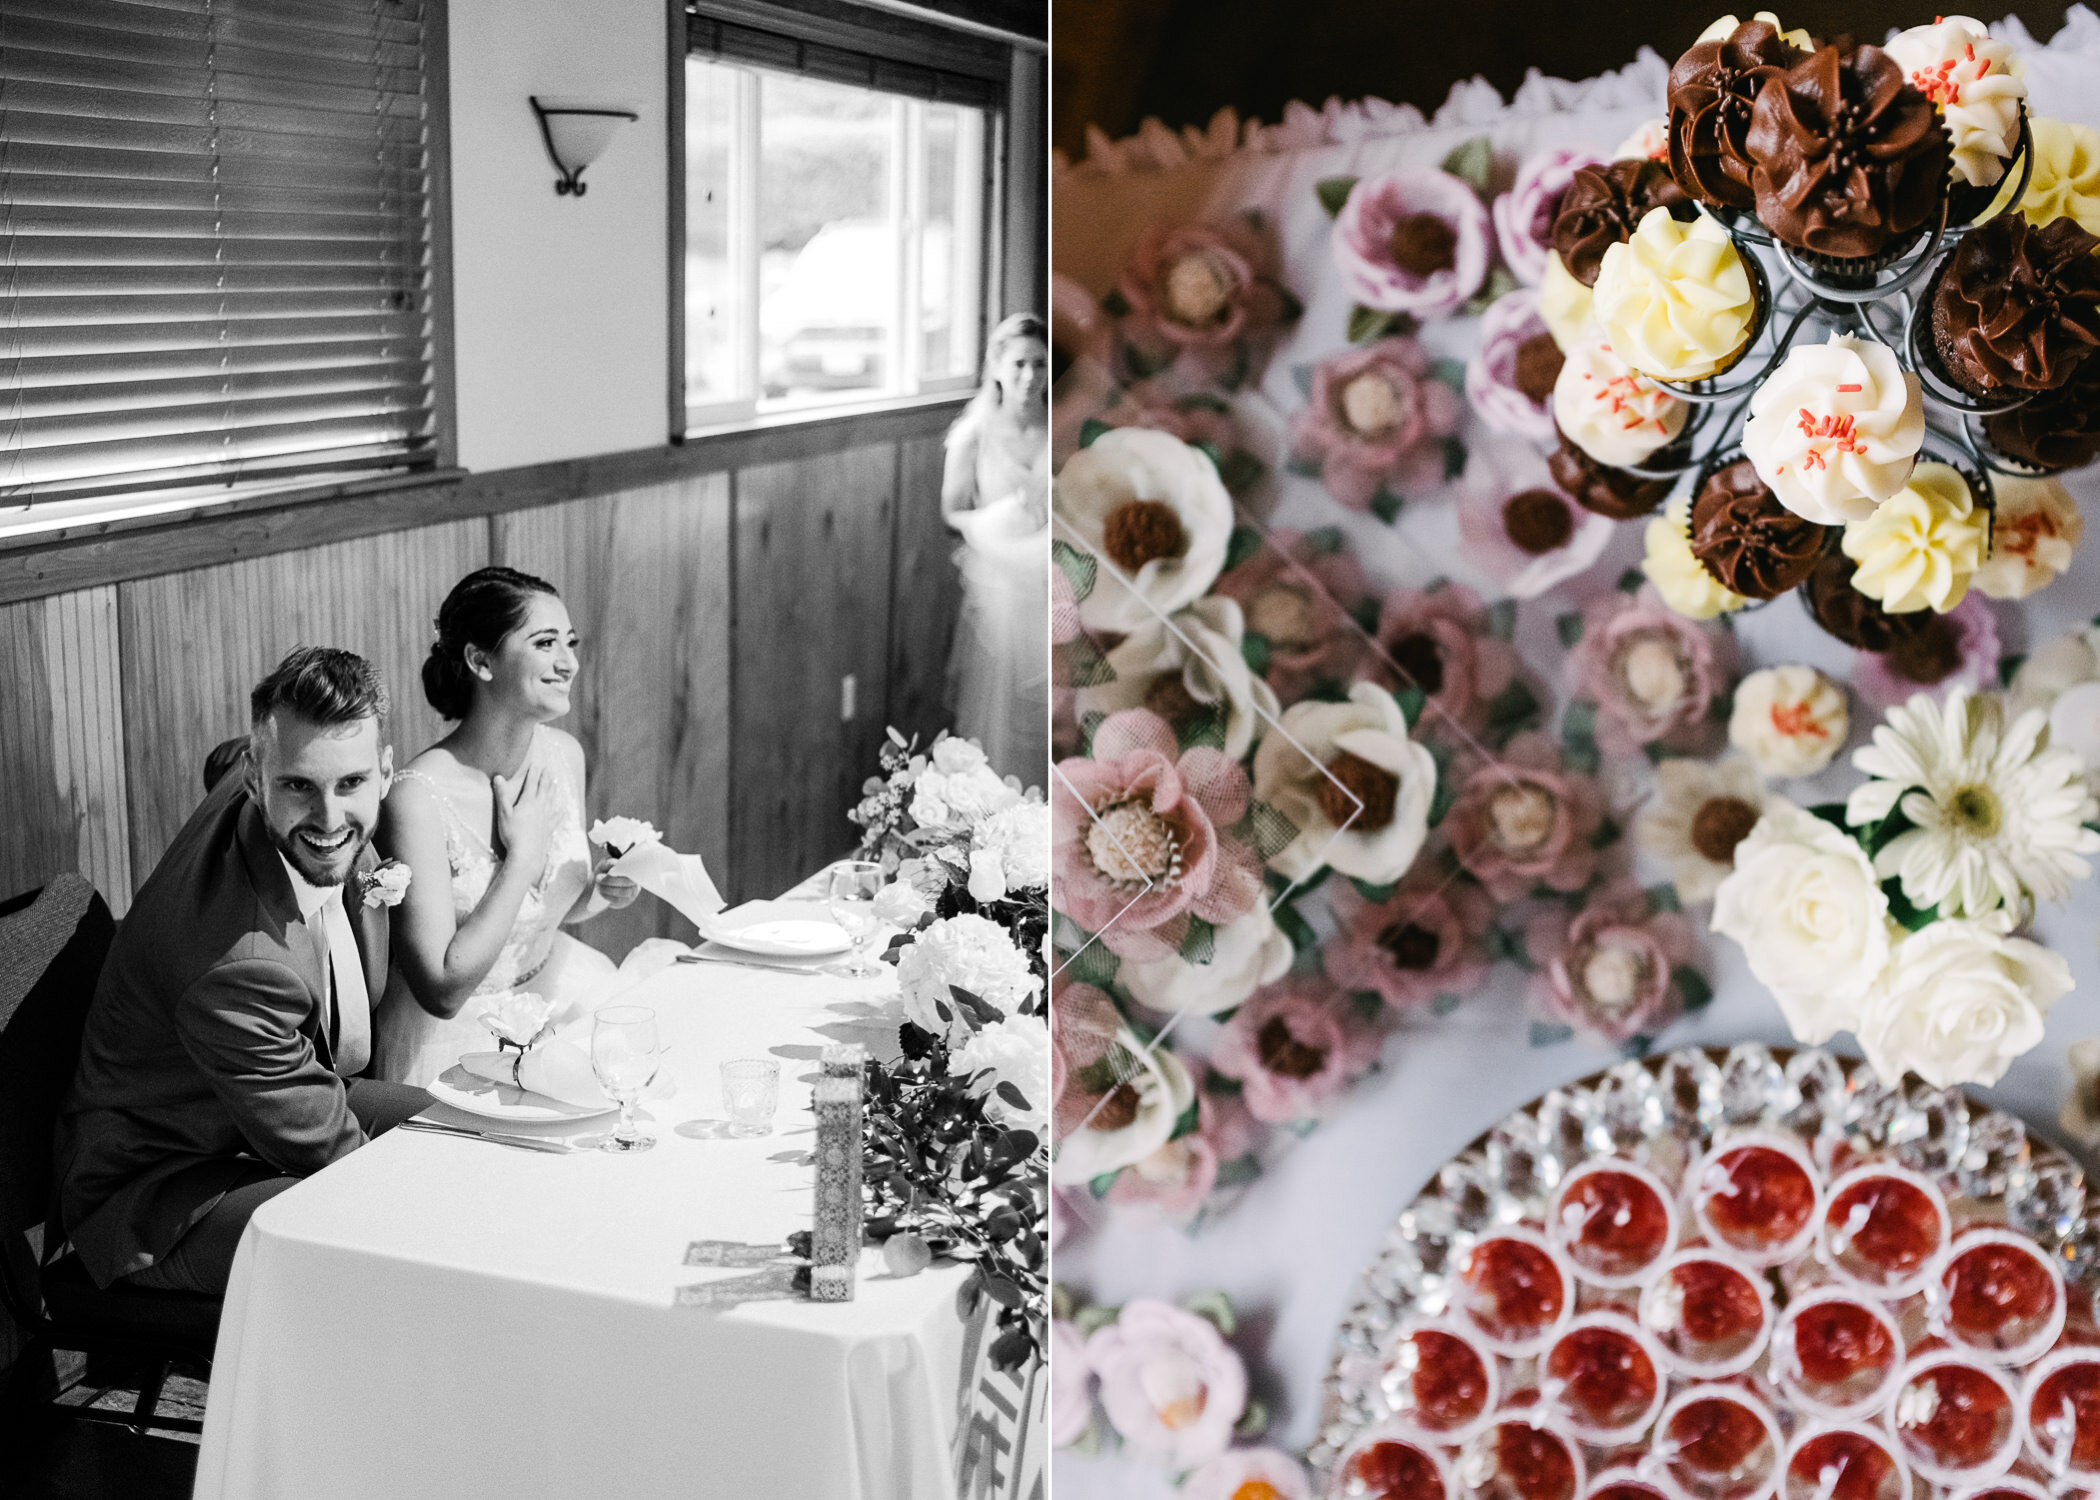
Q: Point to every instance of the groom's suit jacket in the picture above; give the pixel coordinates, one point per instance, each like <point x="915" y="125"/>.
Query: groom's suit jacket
<point x="206" y="1059"/>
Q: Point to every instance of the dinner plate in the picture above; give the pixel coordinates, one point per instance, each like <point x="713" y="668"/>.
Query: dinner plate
<point x="502" y="1101"/>
<point x="780" y="929"/>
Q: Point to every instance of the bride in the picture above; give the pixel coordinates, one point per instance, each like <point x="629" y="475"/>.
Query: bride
<point x="995" y="490"/>
<point x="490" y="822"/>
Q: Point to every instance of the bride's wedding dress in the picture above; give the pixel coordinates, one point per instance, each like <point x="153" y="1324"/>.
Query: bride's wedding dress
<point x="413" y="1046"/>
<point x="1000" y="668"/>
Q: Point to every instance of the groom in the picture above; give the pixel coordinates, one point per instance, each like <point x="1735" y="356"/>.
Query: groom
<point x="218" y="1062"/>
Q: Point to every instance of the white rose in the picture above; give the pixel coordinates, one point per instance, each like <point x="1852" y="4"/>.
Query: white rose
<point x="515" y="1016"/>
<point x="1154" y="511"/>
<point x="623" y="834"/>
<point x="1959" y="1000"/>
<point x="1351" y="781"/>
<point x="1790" y="720"/>
<point x="942" y="798"/>
<point x="901" y="904"/>
<point x="1016" y="1051"/>
<point x="1811" y="917"/>
<point x="966" y="952"/>
<point x="1010" y="851"/>
<point x="1195" y="655"/>
<point x="953" y="755"/>
<point x="1245" y="955"/>
<point x="1129" y="1126"/>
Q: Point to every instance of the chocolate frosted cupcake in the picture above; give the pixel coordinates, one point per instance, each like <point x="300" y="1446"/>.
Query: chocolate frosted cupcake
<point x="1712" y="89"/>
<point x="1850" y="162"/>
<point x="1850" y="615"/>
<point x="2058" y="429"/>
<point x="1602" y="489"/>
<point x="1603" y="206"/>
<point x="1748" y="541"/>
<point x="2017" y="308"/>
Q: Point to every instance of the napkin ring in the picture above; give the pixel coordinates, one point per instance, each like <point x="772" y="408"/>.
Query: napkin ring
<point x="517" y="1068"/>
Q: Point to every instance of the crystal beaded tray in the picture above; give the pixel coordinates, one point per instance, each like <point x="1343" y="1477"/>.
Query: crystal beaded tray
<point x="1665" y="1113"/>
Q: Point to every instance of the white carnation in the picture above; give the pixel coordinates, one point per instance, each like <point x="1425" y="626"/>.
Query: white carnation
<point x="970" y="953"/>
<point x="1010" y="852"/>
<point x="963" y="797"/>
<point x="1015" y="1050"/>
<point x="1958" y="1001"/>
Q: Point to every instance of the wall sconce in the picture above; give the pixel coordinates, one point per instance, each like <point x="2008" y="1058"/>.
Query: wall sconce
<point x="577" y="135"/>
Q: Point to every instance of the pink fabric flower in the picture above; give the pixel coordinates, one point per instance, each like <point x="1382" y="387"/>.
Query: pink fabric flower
<point x="1246" y="1472"/>
<point x="1958" y="649"/>
<point x="1651" y="672"/>
<point x="1170" y="1383"/>
<point x="1082" y="376"/>
<point x="1437" y="639"/>
<point x="1139" y="839"/>
<point x="1298" y="593"/>
<point x="1422" y="942"/>
<point x="1071" y="1384"/>
<point x="1609" y="971"/>
<point x="1376" y="421"/>
<point x="1208" y="290"/>
<point x="1084" y="1024"/>
<point x="1174" y="1182"/>
<point x="1512" y="327"/>
<point x="1524" y="215"/>
<point x="1414" y="240"/>
<point x="1520" y="527"/>
<point x="1293" y="1047"/>
<point x="1523" y="822"/>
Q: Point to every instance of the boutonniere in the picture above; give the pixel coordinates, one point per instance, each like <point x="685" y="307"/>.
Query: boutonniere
<point x="622" y="836"/>
<point x="387" y="883"/>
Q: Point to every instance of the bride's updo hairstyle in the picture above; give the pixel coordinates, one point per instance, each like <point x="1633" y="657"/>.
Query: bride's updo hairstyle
<point x="483" y="608"/>
<point x="1022" y="325"/>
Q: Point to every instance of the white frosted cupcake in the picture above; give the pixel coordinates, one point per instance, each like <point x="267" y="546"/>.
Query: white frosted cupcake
<point x="1610" y="411"/>
<point x="1970" y="80"/>
<point x="1789" y="720"/>
<point x="1835" y="430"/>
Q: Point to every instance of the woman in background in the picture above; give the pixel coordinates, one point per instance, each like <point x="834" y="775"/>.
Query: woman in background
<point x="996" y="492"/>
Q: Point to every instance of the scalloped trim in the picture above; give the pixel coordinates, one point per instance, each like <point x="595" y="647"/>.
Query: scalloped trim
<point x="1472" y="102"/>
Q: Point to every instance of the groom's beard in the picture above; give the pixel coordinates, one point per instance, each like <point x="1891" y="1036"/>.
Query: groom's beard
<point x="322" y="858"/>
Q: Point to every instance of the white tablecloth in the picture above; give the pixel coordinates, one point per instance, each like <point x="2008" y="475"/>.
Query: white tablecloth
<point x="452" y="1319"/>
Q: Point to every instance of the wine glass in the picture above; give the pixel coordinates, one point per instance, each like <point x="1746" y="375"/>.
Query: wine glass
<point x="624" y="1055"/>
<point x="851" y="889"/>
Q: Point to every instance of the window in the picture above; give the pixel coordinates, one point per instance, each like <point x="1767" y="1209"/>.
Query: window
<point x="836" y="240"/>
<point x="218" y="236"/>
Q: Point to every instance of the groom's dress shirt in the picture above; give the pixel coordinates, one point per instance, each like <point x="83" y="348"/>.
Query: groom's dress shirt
<point x="350" y="1002"/>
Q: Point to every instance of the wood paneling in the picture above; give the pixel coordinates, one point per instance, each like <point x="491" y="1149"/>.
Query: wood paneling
<point x="813" y="541"/>
<point x="929" y="593"/>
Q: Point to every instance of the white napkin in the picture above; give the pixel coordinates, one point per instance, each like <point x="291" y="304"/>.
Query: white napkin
<point x="680" y="880"/>
<point x="557" y="1069"/>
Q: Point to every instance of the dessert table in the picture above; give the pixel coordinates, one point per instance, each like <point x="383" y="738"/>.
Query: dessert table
<point x="449" y="1318"/>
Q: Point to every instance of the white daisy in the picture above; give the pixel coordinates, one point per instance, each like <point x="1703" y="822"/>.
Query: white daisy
<point x="1699" y="813"/>
<point x="1998" y="815"/>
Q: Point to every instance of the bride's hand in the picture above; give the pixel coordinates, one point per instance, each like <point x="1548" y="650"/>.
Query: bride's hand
<point x="525" y="810"/>
<point x="615" y="891"/>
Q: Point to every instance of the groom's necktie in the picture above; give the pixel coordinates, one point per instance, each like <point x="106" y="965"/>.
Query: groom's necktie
<point x="353" y="998"/>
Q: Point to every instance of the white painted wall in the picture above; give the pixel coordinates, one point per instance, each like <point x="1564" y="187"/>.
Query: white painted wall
<point x="560" y="305"/>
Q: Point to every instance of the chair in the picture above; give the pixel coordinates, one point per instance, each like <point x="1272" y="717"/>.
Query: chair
<point x="52" y="947"/>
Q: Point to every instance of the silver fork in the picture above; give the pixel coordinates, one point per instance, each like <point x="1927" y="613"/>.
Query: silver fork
<point x="500" y="1138"/>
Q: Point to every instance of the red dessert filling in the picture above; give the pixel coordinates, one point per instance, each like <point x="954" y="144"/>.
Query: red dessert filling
<point x="1620" y="1224"/>
<point x="1964" y="1419"/>
<point x="2071" y="1395"/>
<point x="1535" y="1464"/>
<point x="1766" y="1197"/>
<point x="1835" y="1342"/>
<point x="1450" y="1384"/>
<point x="1892" y="1224"/>
<point x="1627" y="1489"/>
<point x="1841" y="1465"/>
<point x="1397" y="1471"/>
<point x="1720" y="1304"/>
<point x="1716" y="1436"/>
<point x="1606" y="1376"/>
<point x="1516" y="1288"/>
<point x="1995" y="1286"/>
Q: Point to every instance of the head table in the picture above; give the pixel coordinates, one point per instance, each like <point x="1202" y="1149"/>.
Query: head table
<point x="449" y="1318"/>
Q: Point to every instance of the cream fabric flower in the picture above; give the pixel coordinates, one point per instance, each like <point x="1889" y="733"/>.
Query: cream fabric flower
<point x="1154" y="508"/>
<point x="1564" y="303"/>
<point x="1129" y="1126"/>
<point x="1921" y="546"/>
<point x="1678" y="576"/>
<point x="1187" y="665"/>
<point x="1790" y="720"/>
<point x="2036" y="528"/>
<point x="1351" y="781"/>
<point x="1675" y="300"/>
<point x="1959" y="1001"/>
<point x="1835" y="429"/>
<point x="1245" y="955"/>
<point x="1700" y="814"/>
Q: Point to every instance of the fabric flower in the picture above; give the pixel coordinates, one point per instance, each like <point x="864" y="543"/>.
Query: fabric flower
<point x="1154" y="508"/>
<point x="1376" y="420"/>
<point x="1424" y="941"/>
<point x="2035" y="527"/>
<point x="1071" y="1384"/>
<point x="1523" y="822"/>
<point x="1243" y="430"/>
<point x="1609" y="971"/>
<point x="1249" y="1474"/>
<point x="1680" y="579"/>
<point x="1245" y="955"/>
<point x="1958" y="1002"/>
<point x="1519" y="527"/>
<point x="2064" y="182"/>
<point x="1082" y="379"/>
<point x="1700" y="813"/>
<point x="1959" y="649"/>
<point x="1352" y="783"/>
<point x="620" y="835"/>
<point x="1676" y="300"/>
<point x="1293" y="1047"/>
<point x="1412" y="241"/>
<point x="2061" y="678"/>
<point x="1175" y="1182"/>
<point x="1170" y="1383"/>
<point x="1139" y="841"/>
<point x="1809" y="912"/>
<point x="1998" y="815"/>
<point x="1014" y="1050"/>
<point x="1789" y="720"/>
<point x="1010" y="852"/>
<point x="1524" y="215"/>
<point x="1510" y="377"/>
<point x="1190" y="670"/>
<point x="387" y="884"/>
<point x="1437" y="639"/>
<point x="1209" y="291"/>
<point x="965" y="952"/>
<point x="1120" y="1098"/>
<point x="1298" y="594"/>
<point x="1920" y="546"/>
<point x="1651" y="673"/>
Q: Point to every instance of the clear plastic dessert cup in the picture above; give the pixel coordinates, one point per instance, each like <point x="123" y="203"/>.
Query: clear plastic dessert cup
<point x="1998" y="1294"/>
<point x="2060" y="1415"/>
<point x="1756" y="1195"/>
<point x="1718" y="1442"/>
<point x="1844" y="1461"/>
<point x="1837" y="1355"/>
<point x="2009" y="1487"/>
<point x="1956" y="1417"/>
<point x="1392" y="1461"/>
<point x="1614" y="1220"/>
<point x="1440" y="1377"/>
<point x="1882" y="1229"/>
<point x="1624" y="1482"/>
<point x="1710" y="1315"/>
<point x="1515" y="1290"/>
<point x="1604" y="1378"/>
<point x="1523" y="1455"/>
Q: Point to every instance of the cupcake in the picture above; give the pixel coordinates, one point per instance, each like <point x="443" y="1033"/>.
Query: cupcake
<point x="2017" y="308"/>
<point x="1850" y="162"/>
<point x="1835" y="429"/>
<point x="1680" y="578"/>
<point x="1750" y="543"/>
<point x="1613" y="414"/>
<point x="1676" y="300"/>
<point x="1603" y="205"/>
<point x="1712" y="88"/>
<point x="1602" y="489"/>
<point x="1851" y="616"/>
<point x="1920" y="549"/>
<point x="1564" y="303"/>
<point x="1969" y="79"/>
<point x="2058" y="429"/>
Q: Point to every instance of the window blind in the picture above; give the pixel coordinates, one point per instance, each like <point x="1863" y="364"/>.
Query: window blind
<point x="843" y="43"/>
<point x="216" y="223"/>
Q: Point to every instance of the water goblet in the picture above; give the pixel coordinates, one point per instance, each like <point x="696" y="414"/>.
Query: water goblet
<point x="750" y="1094"/>
<point x="851" y="889"/>
<point x="625" y="1055"/>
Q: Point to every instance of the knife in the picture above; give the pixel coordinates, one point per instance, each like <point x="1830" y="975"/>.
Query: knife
<point x="523" y="1142"/>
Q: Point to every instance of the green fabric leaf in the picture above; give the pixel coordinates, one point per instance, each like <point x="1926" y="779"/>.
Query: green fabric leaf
<point x="1369" y="1005"/>
<point x="1333" y="192"/>
<point x="1544" y="1034"/>
<point x="1365" y="614"/>
<point x="1204" y="730"/>
<point x="1664" y="898"/>
<point x="2009" y="667"/>
<point x="1583" y="758"/>
<point x="1569" y="628"/>
<point x="1451" y="372"/>
<point x="1301" y="466"/>
<point x="1385" y="505"/>
<point x="1238" y="1171"/>
<point x="1604" y="835"/>
<point x="1115" y="304"/>
<point x="1295" y="927"/>
<point x="1368" y="325"/>
<point x="1411" y="700"/>
<point x="1216" y="1307"/>
<point x="1095" y="964"/>
<point x="1631" y="580"/>
<point x="1454" y="457"/>
<point x="1443" y="1005"/>
<point x="1100" y="1185"/>
<point x="1204" y="401"/>
<point x="1473" y="162"/>
<point x="1289" y="308"/>
<point x="1090" y="429"/>
<point x="1254" y="649"/>
<point x="1498" y="285"/>
<point x="1377" y="895"/>
<point x="1579" y="723"/>
<point x="1081" y="569"/>
<point x="1085" y="664"/>
<point x="1515" y="707"/>
<point x="1200" y="945"/>
<point x="1325" y="541"/>
<point x="1264" y="830"/>
<point x="1691" y="984"/>
<point x="1302" y="377"/>
<point x="1210" y="451"/>
<point x="1223" y="1085"/>
<point x="1502" y="619"/>
<point x="1088" y="723"/>
<point x="1185" y="1124"/>
<point x="1241" y="471"/>
<point x="1244" y="542"/>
